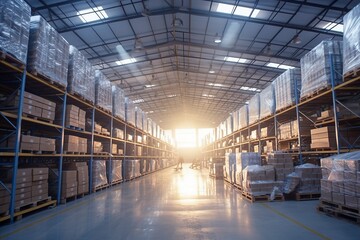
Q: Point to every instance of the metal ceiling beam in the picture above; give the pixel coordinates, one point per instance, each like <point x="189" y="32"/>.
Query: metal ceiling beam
<point x="198" y="13"/>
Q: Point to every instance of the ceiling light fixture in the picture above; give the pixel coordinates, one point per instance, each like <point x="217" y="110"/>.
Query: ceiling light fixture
<point x="126" y="61"/>
<point x="92" y="14"/>
<point x="296" y="39"/>
<point x="217" y="38"/>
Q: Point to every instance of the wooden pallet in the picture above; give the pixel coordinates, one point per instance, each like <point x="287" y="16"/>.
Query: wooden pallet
<point x="38" y="118"/>
<point x="307" y="196"/>
<point x="104" y="110"/>
<point x="101" y="187"/>
<point x="333" y="210"/>
<point x="320" y="121"/>
<point x="30" y="208"/>
<point x="216" y="177"/>
<point x="75" y="128"/>
<point x="315" y="93"/>
<point x="340" y="207"/>
<point x="117" y="182"/>
<point x="261" y="198"/>
<point x="101" y="153"/>
<point x="48" y="79"/>
<point x="78" y="95"/>
<point x="238" y="187"/>
<point x="73" y="198"/>
<point x="284" y="108"/>
<point x="352" y="74"/>
<point x="9" y="58"/>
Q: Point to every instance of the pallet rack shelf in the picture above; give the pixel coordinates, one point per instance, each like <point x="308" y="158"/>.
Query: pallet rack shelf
<point x="16" y="82"/>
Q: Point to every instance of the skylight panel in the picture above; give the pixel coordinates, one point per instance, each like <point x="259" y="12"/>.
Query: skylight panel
<point x="126" y="61"/>
<point x="92" y="14"/>
<point x="236" y="60"/>
<point x="334" y="27"/>
<point x="281" y="66"/>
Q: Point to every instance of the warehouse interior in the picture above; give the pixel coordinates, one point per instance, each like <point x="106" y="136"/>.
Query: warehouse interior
<point x="100" y="101"/>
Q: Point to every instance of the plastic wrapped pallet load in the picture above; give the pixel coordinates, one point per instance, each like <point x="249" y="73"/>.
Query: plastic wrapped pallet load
<point x="340" y="183"/>
<point x="138" y="117"/>
<point x="118" y="102"/>
<point x="236" y="120"/>
<point x="259" y="180"/>
<point x="267" y="101"/>
<point x="316" y="68"/>
<point x="103" y="91"/>
<point x="48" y="53"/>
<point x="310" y="176"/>
<point x="244" y="116"/>
<point x="99" y="178"/>
<point x="81" y="77"/>
<point x="144" y="119"/>
<point x="15" y="27"/>
<point x="243" y="160"/>
<point x="254" y="109"/>
<point x="284" y="85"/>
<point x="351" y="40"/>
<point x="129" y="111"/>
<point x="116" y="173"/>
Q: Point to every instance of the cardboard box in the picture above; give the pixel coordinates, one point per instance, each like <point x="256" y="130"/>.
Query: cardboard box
<point x="69" y="176"/>
<point x="114" y="149"/>
<point x="83" y="188"/>
<point x="23" y="175"/>
<point x="47" y="144"/>
<point x="40" y="171"/>
<point x="4" y="207"/>
<point x="38" y="198"/>
<point x="24" y="195"/>
<point x="47" y="114"/>
<point x="40" y="177"/>
<point x="22" y="202"/>
<point x="39" y="191"/>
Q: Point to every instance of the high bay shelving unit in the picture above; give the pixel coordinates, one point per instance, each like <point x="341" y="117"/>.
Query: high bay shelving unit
<point x="346" y="122"/>
<point x="15" y="81"/>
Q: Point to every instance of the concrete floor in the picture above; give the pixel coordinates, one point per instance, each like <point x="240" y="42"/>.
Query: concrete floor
<point x="183" y="204"/>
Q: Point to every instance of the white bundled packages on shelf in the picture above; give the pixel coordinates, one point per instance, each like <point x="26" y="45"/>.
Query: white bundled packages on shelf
<point x="352" y="40"/>
<point x="284" y="84"/>
<point x="316" y="68"/>
<point x="267" y="101"/>
<point x="154" y="129"/>
<point x="229" y="125"/>
<point x="254" y="109"/>
<point x="129" y="111"/>
<point x="118" y="97"/>
<point x="149" y="126"/>
<point x="48" y="52"/>
<point x="230" y="167"/>
<point x="99" y="173"/>
<point x="81" y="75"/>
<point x="244" y="159"/>
<point x="136" y="168"/>
<point x="103" y="91"/>
<point x="244" y="116"/>
<point x="129" y="169"/>
<point x="14" y="28"/>
<point x="139" y="117"/>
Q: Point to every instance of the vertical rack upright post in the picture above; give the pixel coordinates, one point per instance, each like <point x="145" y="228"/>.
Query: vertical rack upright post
<point x="92" y="149"/>
<point x="17" y="144"/>
<point x="298" y="121"/>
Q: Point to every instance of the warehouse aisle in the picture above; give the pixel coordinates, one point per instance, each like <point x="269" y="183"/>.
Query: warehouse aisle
<point x="178" y="205"/>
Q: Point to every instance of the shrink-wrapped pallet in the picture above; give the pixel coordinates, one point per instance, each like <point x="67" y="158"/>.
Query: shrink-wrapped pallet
<point x="267" y="101"/>
<point x="229" y="125"/>
<point x="48" y="53"/>
<point x="81" y="77"/>
<point x="145" y="119"/>
<point x="352" y="40"/>
<point x="99" y="174"/>
<point x="103" y="91"/>
<point x="284" y="85"/>
<point x="316" y="67"/>
<point x="310" y="176"/>
<point x="15" y="27"/>
<point x="244" y="116"/>
<point x="138" y="117"/>
<point x="254" y="109"/>
<point x="118" y="102"/>
<point x="129" y="111"/>
<point x="149" y="126"/>
<point x="116" y="172"/>
<point x="236" y="120"/>
<point x="243" y="160"/>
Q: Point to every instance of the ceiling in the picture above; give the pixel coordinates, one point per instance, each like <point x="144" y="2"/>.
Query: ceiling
<point x="180" y="77"/>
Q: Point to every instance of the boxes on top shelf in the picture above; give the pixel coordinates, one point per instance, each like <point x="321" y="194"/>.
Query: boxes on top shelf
<point x="118" y="104"/>
<point x="284" y="85"/>
<point x="254" y="109"/>
<point x="267" y="101"/>
<point x="81" y="76"/>
<point x="316" y="69"/>
<point x="48" y="53"/>
<point x="229" y="125"/>
<point x="244" y="116"/>
<point x="138" y="117"/>
<point x="103" y="91"/>
<point x="236" y="120"/>
<point x="352" y="41"/>
<point x="15" y="27"/>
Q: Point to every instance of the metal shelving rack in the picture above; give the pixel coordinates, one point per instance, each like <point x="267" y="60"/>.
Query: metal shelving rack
<point x="331" y="96"/>
<point x="22" y="80"/>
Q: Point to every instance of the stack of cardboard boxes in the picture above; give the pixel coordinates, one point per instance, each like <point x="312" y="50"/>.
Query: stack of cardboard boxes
<point x="82" y="175"/>
<point x="39" y="188"/>
<point x="74" y="144"/>
<point x="282" y="163"/>
<point x="310" y="176"/>
<point x="74" y="116"/>
<point x="32" y="143"/>
<point x="323" y="137"/>
<point x="118" y="133"/>
<point x="340" y="183"/>
<point x="259" y="180"/>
